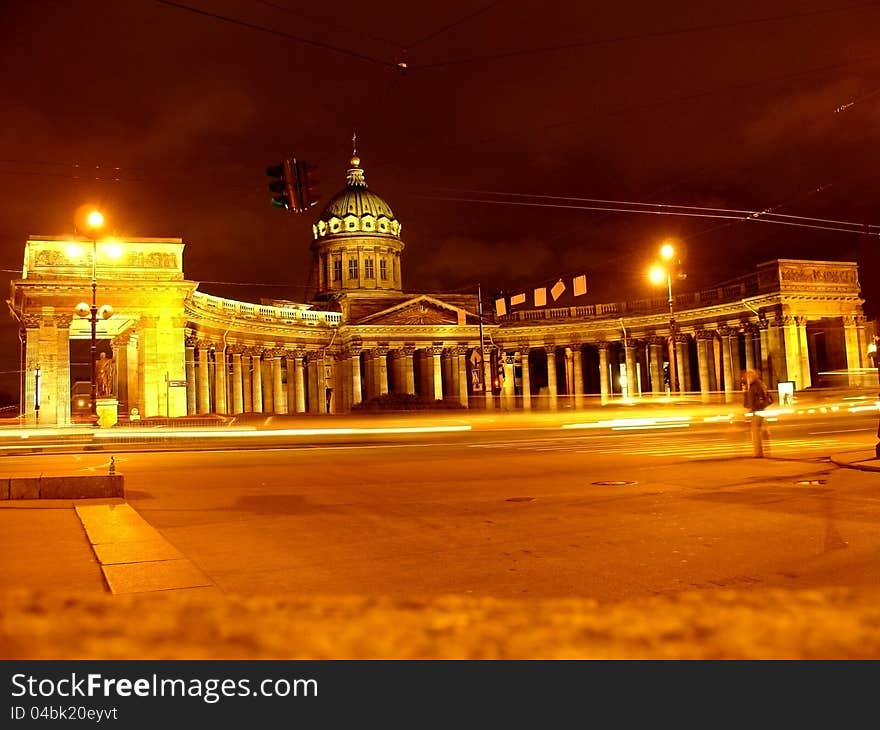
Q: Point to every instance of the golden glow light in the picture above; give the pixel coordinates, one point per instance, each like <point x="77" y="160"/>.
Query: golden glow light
<point x="95" y="219"/>
<point x="113" y="250"/>
<point x="657" y="274"/>
<point x="73" y="250"/>
<point x="667" y="251"/>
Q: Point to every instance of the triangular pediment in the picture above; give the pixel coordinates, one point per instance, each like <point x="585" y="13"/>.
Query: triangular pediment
<point x="422" y="310"/>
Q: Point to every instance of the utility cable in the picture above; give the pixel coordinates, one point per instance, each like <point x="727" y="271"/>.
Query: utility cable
<point x="276" y="32"/>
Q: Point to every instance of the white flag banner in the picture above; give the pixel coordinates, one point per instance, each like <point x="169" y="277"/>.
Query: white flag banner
<point x="557" y="289"/>
<point x="579" y="284"/>
<point x="541" y="297"/>
<point x="500" y="307"/>
<point x="518" y="299"/>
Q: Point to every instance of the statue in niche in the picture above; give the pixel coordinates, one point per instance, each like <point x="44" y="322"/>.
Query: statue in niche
<point x="105" y="375"/>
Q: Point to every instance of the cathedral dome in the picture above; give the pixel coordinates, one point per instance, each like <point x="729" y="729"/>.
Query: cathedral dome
<point x="356" y="211"/>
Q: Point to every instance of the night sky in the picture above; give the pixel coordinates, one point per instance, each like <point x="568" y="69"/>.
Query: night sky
<point x="748" y="105"/>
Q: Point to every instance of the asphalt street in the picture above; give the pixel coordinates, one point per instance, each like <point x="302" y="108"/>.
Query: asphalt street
<point x="598" y="512"/>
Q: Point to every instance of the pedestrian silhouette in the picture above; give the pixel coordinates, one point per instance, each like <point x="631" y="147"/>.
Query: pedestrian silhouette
<point x="756" y="398"/>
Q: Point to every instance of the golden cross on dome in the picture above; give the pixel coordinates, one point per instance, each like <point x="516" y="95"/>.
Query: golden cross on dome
<point x="354" y="144"/>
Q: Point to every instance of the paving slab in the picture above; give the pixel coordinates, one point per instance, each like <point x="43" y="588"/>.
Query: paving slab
<point x="157" y="575"/>
<point x="140" y="551"/>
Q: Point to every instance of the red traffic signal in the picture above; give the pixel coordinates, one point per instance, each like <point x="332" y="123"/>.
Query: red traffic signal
<point x="306" y="187"/>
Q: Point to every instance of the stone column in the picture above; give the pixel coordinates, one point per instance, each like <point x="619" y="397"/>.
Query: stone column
<point x="508" y="391"/>
<point x="436" y="353"/>
<point x="804" y="351"/>
<point x="355" y="358"/>
<point x="247" y="384"/>
<point x="682" y="362"/>
<point x="190" y="369"/>
<point x="604" y="375"/>
<point x="131" y="360"/>
<point x="237" y="381"/>
<point x="120" y="357"/>
<point x="553" y="398"/>
<point x="395" y="371"/>
<point x="487" y="378"/>
<point x="763" y="335"/>
<point x="368" y="374"/>
<point x="462" y="374"/>
<point x="578" y="366"/>
<point x="704" y="343"/>
<point x="655" y="362"/>
<point x="220" y="381"/>
<point x="409" y="381"/>
<point x="279" y="406"/>
<point x="632" y="385"/>
<point x="266" y="381"/>
<point x="257" y="379"/>
<point x="526" y="377"/>
<point x="448" y="361"/>
<point x="730" y="385"/>
<point x="735" y="356"/>
<point x="794" y="345"/>
<point x="204" y="397"/>
<point x="298" y="380"/>
<point x="381" y="369"/>
<point x="31" y="324"/>
<point x="62" y="368"/>
<point x="851" y="343"/>
<point x="750" y="346"/>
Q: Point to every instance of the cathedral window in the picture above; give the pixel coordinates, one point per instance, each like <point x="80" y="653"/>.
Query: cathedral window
<point x="383" y="269"/>
<point x="337" y="269"/>
<point x="352" y="269"/>
<point x="368" y="269"/>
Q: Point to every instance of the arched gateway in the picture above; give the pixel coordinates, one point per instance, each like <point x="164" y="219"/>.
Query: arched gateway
<point x="178" y="351"/>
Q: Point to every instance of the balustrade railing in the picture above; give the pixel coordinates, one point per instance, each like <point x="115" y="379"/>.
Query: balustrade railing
<point x="246" y="310"/>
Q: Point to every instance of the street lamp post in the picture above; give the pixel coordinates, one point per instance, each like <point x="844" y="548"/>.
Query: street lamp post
<point x="94" y="222"/>
<point x="657" y="274"/>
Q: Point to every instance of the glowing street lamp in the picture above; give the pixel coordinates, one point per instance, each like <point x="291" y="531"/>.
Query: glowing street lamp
<point x="658" y="274"/>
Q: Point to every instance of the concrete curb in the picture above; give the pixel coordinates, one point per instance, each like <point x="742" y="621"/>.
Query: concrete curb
<point x="861" y="460"/>
<point x="62" y="487"/>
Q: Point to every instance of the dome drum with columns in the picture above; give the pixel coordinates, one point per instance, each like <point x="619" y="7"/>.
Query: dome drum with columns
<point x="363" y="336"/>
<point x="357" y="242"/>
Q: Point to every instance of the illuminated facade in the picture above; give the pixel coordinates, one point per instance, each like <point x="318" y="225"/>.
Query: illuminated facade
<point x="179" y="351"/>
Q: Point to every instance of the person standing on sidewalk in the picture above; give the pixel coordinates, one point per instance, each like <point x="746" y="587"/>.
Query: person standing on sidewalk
<point x="755" y="399"/>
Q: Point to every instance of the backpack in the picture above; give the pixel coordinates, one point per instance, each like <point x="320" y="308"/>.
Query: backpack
<point x="761" y="398"/>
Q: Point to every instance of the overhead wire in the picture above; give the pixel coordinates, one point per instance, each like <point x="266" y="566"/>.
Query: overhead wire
<point x="274" y="31"/>
<point x="645" y="36"/>
<point x="859" y="228"/>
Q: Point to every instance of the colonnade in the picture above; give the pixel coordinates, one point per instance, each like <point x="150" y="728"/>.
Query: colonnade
<point x="277" y="380"/>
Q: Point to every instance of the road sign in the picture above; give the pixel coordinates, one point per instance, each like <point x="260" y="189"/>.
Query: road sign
<point x="476" y="359"/>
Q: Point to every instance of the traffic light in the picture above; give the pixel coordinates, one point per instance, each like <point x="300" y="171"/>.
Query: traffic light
<point x="283" y="184"/>
<point x="307" y="185"/>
